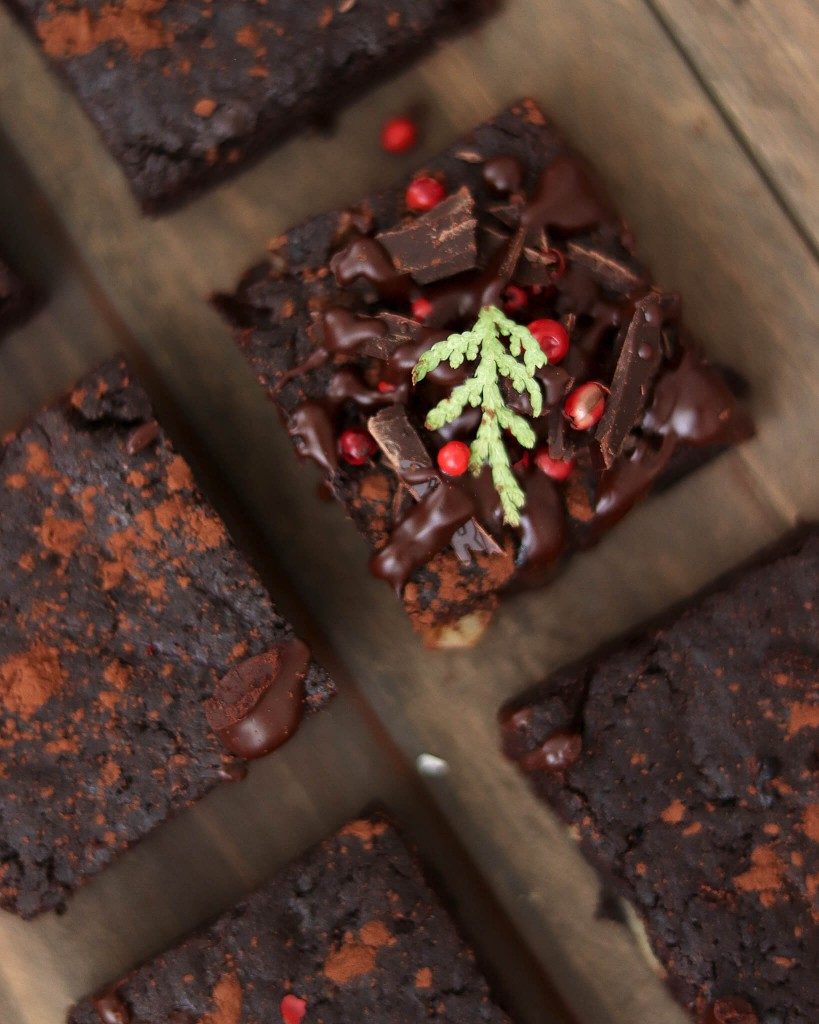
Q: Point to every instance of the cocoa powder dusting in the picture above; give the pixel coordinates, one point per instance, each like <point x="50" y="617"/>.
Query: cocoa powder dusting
<point x="28" y="679"/>
<point x="76" y="33"/>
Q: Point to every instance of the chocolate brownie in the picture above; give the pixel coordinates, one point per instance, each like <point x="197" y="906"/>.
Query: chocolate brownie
<point x="509" y="225"/>
<point x="183" y="91"/>
<point x="15" y="298"/>
<point x="686" y="761"/>
<point x="349" y="932"/>
<point x="141" y="660"/>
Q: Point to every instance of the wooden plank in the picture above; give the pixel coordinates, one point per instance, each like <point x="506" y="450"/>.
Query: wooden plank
<point x="707" y="223"/>
<point x="759" y="60"/>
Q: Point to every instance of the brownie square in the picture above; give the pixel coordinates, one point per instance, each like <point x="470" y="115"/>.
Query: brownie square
<point x="686" y="761"/>
<point x="334" y="321"/>
<point x="138" y="645"/>
<point x="16" y="298"/>
<point x="349" y="932"/>
<point x="184" y="91"/>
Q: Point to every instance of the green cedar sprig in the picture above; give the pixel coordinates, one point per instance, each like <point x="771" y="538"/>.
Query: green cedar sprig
<point x="496" y="359"/>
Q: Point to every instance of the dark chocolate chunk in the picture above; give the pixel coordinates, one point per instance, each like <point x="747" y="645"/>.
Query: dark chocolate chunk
<point x="616" y="272"/>
<point x="405" y="452"/>
<point x="441" y="243"/>
<point x="637" y="367"/>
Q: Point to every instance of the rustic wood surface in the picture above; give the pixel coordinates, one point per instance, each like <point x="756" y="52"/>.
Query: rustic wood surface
<point x="760" y="63"/>
<point x="637" y="93"/>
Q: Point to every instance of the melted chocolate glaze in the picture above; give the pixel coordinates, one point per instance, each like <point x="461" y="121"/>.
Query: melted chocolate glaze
<point x="503" y="173"/>
<point x="259" y="704"/>
<point x="424" y="531"/>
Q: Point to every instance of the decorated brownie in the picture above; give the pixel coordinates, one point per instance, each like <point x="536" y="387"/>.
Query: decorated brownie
<point x="482" y="369"/>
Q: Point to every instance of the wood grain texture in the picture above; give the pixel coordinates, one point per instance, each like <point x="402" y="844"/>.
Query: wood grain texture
<point x="706" y="222"/>
<point x="760" y="59"/>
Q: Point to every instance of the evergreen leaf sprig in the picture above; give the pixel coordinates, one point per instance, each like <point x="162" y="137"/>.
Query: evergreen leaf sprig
<point x="516" y="360"/>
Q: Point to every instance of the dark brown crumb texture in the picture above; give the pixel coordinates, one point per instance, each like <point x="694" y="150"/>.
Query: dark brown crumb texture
<point x="183" y="91"/>
<point x="123" y="602"/>
<point x="351" y="929"/>
<point x="694" y="785"/>
<point x="329" y="325"/>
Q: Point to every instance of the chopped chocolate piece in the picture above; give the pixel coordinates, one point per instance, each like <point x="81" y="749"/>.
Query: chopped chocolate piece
<point x="401" y="330"/>
<point x="438" y="244"/>
<point x="694" y="787"/>
<point x="183" y="94"/>
<point x="123" y="602"/>
<point x="350" y="931"/>
<point x="618" y="272"/>
<point x="403" y="449"/>
<point x="557" y="252"/>
<point x="637" y="367"/>
<point x="409" y="459"/>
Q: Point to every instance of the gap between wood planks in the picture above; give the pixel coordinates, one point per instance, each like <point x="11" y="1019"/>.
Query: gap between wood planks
<point x="739" y="135"/>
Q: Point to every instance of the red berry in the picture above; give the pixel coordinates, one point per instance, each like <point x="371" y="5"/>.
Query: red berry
<point x="293" y="1009"/>
<point x="584" y="406"/>
<point x="557" y="469"/>
<point x="522" y="463"/>
<point x="356" y="446"/>
<point x="552" y="337"/>
<point x="385" y="387"/>
<point x="453" y="458"/>
<point x="399" y="134"/>
<point x="514" y="299"/>
<point x="424" y="193"/>
<point x="421" y="308"/>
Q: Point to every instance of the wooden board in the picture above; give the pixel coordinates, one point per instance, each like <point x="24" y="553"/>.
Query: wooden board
<point x="708" y="222"/>
<point x="760" y="62"/>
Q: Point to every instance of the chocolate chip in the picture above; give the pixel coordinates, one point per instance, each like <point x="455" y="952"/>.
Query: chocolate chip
<point x="438" y="244"/>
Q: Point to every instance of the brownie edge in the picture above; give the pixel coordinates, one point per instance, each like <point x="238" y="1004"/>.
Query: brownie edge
<point x="348" y="932"/>
<point x="685" y="760"/>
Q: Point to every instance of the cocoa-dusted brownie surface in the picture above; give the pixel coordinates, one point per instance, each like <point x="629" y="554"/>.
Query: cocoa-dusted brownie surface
<point x="15" y="298"/>
<point x="687" y="762"/>
<point x="349" y="932"/>
<point x="333" y="322"/>
<point x="125" y="607"/>
<point x="183" y="91"/>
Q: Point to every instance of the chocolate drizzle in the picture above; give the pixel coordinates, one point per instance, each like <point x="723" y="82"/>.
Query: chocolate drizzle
<point x="312" y="429"/>
<point x="427" y="529"/>
<point x="259" y="704"/>
<point x="409" y="459"/>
